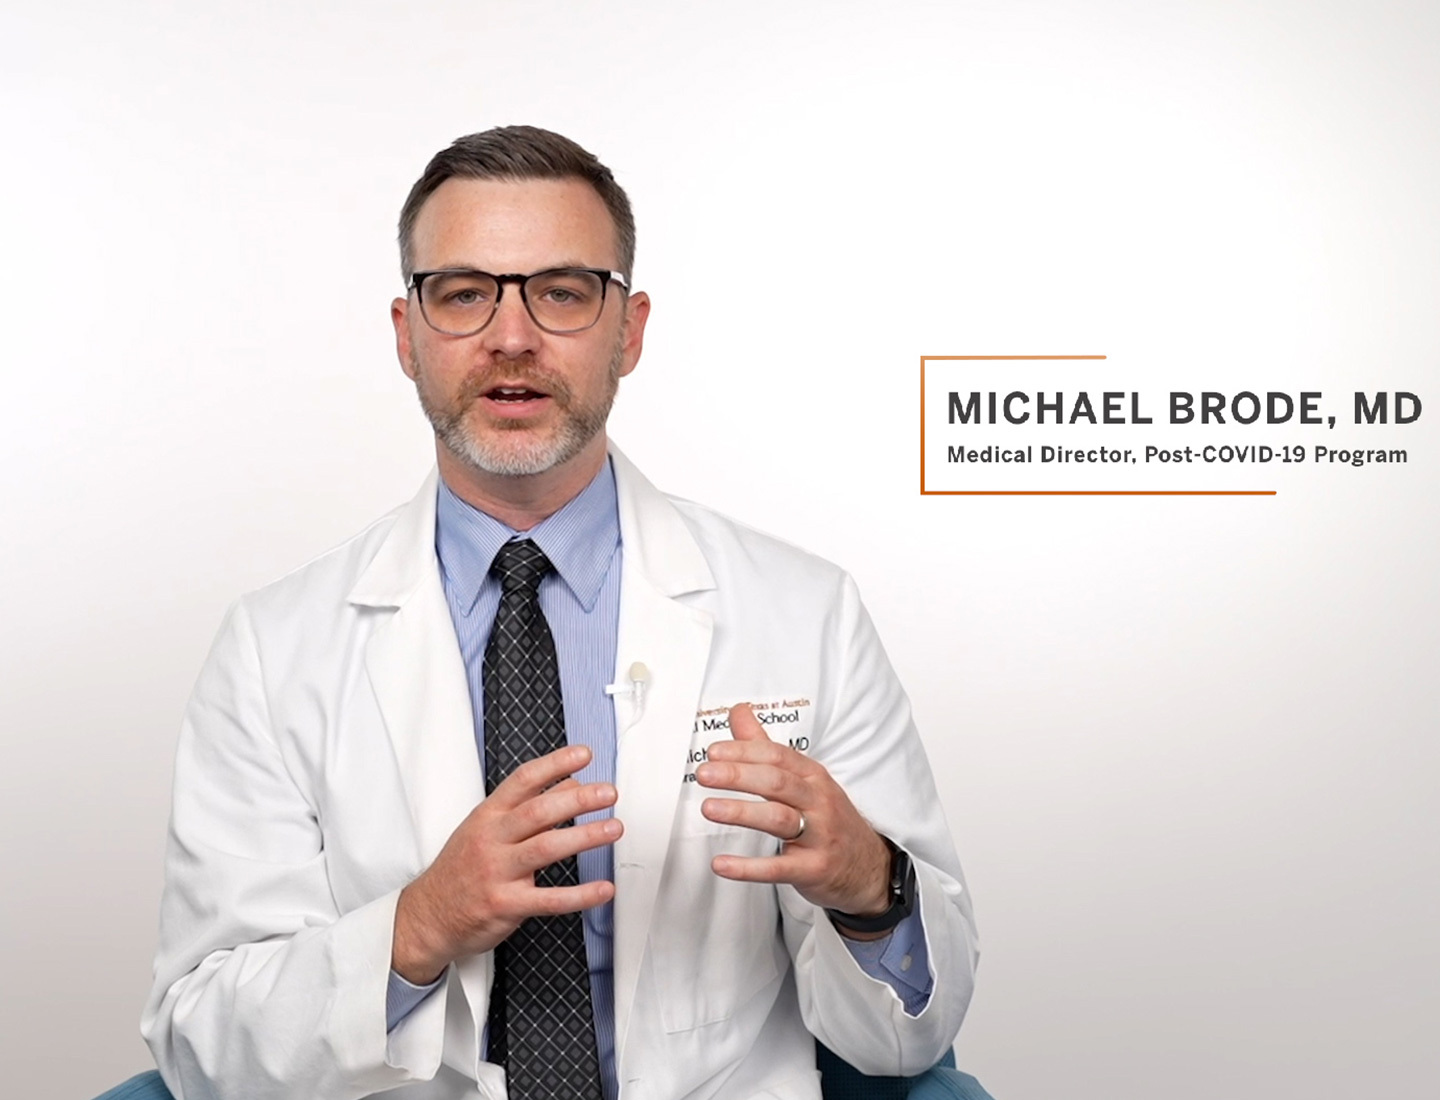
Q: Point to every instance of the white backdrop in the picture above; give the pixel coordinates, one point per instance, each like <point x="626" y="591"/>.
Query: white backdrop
<point x="1187" y="745"/>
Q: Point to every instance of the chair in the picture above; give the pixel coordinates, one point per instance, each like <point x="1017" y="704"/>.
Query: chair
<point x="838" y="1081"/>
<point x="144" y="1086"/>
<point x="842" y="1081"/>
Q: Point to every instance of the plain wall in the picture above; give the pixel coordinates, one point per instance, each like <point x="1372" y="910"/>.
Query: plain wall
<point x="1187" y="745"/>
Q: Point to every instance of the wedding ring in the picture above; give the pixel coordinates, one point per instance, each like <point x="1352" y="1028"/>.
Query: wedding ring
<point x="801" y="833"/>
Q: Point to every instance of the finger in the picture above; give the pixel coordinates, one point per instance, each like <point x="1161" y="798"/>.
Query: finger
<point x="781" y="822"/>
<point x="563" y="802"/>
<point x="776" y="784"/>
<point x="568" y="781"/>
<point x="744" y="726"/>
<point x="553" y="845"/>
<point x="549" y="901"/>
<point x="534" y="776"/>
<point x="791" y="867"/>
<point x="760" y="752"/>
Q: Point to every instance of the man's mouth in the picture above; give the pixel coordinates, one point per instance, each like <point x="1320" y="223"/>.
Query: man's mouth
<point x="513" y="395"/>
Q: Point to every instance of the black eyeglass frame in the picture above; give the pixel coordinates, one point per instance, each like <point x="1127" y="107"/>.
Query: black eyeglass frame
<point x="502" y="281"/>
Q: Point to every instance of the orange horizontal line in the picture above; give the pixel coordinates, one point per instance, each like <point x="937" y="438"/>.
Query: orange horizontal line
<point x="1097" y="492"/>
<point x="925" y="358"/>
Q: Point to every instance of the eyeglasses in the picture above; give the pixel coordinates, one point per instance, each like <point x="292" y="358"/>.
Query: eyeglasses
<point x="461" y="301"/>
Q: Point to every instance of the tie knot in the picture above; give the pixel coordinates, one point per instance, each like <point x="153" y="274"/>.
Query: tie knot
<point x="520" y="565"/>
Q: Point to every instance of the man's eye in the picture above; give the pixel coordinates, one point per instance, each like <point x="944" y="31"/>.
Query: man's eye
<point x="466" y="296"/>
<point x="568" y="295"/>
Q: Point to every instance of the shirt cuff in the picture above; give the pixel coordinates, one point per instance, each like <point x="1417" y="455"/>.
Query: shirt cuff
<point x="402" y="998"/>
<point x="901" y="960"/>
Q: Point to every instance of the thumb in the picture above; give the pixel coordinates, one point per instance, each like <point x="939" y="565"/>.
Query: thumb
<point x="744" y="726"/>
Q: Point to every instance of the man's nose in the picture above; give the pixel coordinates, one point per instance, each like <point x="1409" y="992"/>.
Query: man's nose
<point x="512" y="331"/>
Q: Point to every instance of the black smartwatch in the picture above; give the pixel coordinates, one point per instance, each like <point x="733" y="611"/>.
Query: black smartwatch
<point x="902" y="897"/>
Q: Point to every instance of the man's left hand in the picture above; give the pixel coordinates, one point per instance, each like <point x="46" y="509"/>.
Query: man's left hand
<point x="838" y="861"/>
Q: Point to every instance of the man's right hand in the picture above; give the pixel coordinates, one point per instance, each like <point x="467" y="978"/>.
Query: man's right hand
<point x="481" y="886"/>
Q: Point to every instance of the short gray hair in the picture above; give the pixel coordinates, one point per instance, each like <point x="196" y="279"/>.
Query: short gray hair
<point x="518" y="153"/>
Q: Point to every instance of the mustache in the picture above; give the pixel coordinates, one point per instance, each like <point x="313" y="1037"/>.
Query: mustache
<point x="522" y="370"/>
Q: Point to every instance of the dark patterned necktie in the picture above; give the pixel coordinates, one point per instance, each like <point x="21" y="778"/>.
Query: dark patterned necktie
<point x="542" y="1026"/>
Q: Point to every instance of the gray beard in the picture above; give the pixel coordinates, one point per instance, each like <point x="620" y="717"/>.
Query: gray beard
<point x="492" y="453"/>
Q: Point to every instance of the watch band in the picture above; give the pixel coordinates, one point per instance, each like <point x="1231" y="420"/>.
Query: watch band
<point x="902" y="896"/>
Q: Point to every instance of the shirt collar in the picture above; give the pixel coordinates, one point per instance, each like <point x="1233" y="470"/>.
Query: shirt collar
<point x="580" y="540"/>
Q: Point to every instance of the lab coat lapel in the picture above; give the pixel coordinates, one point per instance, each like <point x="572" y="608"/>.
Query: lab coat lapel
<point x="418" y="676"/>
<point x="662" y="562"/>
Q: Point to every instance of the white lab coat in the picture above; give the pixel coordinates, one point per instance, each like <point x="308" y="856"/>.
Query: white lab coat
<point x="328" y="752"/>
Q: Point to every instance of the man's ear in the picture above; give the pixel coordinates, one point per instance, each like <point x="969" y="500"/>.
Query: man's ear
<point x="400" y="318"/>
<point x="637" y="312"/>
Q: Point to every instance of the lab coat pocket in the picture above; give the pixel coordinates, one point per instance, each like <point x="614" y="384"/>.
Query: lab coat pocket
<point x="723" y="946"/>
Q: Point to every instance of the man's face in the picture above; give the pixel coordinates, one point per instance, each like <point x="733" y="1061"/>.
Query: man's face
<point x="513" y="399"/>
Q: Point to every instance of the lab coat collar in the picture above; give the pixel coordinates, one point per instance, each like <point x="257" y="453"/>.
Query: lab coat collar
<point x="657" y="542"/>
<point x="655" y="537"/>
<point x="406" y="558"/>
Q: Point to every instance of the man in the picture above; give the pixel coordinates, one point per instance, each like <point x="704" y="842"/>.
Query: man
<point x="546" y="781"/>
